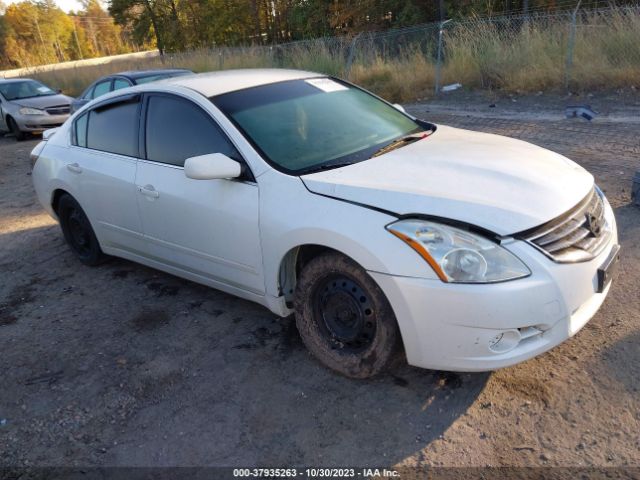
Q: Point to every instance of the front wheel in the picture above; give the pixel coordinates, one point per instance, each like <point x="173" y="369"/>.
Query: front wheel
<point x="78" y="233"/>
<point x="344" y="318"/>
<point x="15" y="129"/>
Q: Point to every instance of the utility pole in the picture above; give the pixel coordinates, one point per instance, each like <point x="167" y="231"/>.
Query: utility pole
<point x="572" y="41"/>
<point x="61" y="55"/>
<point x="92" y="31"/>
<point x="43" y="55"/>
<point x="443" y="14"/>
<point x="75" y="34"/>
<point x="525" y="8"/>
<point x="439" y="60"/>
<point x="39" y="32"/>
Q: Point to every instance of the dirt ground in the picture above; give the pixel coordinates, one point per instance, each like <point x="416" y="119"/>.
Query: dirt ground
<point x="123" y="365"/>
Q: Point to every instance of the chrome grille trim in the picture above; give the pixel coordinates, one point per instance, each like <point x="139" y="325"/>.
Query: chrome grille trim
<point x="58" y="110"/>
<point x="576" y="236"/>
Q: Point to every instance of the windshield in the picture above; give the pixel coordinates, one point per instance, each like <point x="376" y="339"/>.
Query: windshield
<point x="24" y="89"/>
<point x="304" y="125"/>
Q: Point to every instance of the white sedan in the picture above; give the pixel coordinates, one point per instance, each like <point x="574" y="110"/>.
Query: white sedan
<point x="381" y="232"/>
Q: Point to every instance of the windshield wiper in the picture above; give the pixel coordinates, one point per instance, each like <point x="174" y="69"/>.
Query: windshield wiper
<point x="324" y="166"/>
<point x="400" y="142"/>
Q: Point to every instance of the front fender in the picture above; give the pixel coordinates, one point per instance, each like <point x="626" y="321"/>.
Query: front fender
<point x="291" y="216"/>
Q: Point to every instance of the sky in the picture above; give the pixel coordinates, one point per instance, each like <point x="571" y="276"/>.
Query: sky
<point x="65" y="5"/>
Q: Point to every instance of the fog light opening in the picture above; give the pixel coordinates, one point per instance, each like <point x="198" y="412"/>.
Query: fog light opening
<point x="505" y="341"/>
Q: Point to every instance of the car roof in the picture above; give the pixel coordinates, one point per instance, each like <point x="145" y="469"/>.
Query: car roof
<point x="216" y="83"/>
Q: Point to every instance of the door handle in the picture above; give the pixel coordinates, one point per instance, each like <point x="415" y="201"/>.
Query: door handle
<point x="74" y="167"/>
<point x="149" y="191"/>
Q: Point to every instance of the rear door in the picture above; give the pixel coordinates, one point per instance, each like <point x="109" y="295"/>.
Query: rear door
<point x="103" y="162"/>
<point x="206" y="227"/>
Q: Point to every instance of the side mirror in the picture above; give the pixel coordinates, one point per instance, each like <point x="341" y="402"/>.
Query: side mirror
<point x="397" y="106"/>
<point x="211" y="166"/>
<point x="58" y="90"/>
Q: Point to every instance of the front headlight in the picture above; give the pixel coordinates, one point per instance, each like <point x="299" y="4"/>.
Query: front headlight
<point x="31" y="111"/>
<point x="457" y="255"/>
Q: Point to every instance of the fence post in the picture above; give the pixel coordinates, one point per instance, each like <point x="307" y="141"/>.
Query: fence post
<point x="439" y="60"/>
<point x="352" y="52"/>
<point x="570" y="46"/>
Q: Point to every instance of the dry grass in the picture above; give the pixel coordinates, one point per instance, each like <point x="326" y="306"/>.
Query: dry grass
<point x="402" y="79"/>
<point x="496" y="56"/>
<point x="510" y="56"/>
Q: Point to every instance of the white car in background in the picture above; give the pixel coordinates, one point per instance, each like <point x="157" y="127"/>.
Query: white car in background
<point x="308" y="195"/>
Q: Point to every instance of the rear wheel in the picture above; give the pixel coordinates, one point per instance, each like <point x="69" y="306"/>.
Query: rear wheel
<point x="344" y="318"/>
<point x="78" y="232"/>
<point x="15" y="129"/>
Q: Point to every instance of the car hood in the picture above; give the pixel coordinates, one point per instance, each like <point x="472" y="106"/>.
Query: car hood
<point x="494" y="182"/>
<point x="45" y="101"/>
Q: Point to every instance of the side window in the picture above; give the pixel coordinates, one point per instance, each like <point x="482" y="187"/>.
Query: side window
<point x="101" y="88"/>
<point x="88" y="94"/>
<point x="80" y="130"/>
<point x="178" y="129"/>
<point x="114" y="128"/>
<point x="119" y="83"/>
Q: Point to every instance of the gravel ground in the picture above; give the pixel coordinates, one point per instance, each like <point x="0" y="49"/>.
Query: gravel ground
<point x="123" y="365"/>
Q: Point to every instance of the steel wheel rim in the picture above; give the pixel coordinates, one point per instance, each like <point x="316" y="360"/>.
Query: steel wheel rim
<point x="345" y="314"/>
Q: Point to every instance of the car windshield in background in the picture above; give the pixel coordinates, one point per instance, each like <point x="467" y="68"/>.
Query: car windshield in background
<point x="162" y="76"/>
<point x="24" y="89"/>
<point x="302" y="126"/>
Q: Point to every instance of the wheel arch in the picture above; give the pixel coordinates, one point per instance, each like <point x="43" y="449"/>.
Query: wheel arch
<point x="294" y="260"/>
<point x="56" y="195"/>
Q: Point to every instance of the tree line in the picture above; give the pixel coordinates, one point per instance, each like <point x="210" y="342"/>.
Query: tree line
<point x="38" y="32"/>
<point x="35" y="32"/>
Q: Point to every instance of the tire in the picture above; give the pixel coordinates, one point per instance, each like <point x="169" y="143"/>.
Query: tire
<point x="344" y="318"/>
<point x="15" y="130"/>
<point x="78" y="232"/>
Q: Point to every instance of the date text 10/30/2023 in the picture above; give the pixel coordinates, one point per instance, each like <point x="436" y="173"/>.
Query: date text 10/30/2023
<point x="315" y="473"/>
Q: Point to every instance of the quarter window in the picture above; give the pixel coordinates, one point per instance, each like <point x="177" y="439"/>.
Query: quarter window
<point x="101" y="88"/>
<point x="119" y="83"/>
<point x="80" y="131"/>
<point x="114" y="128"/>
<point x="177" y="129"/>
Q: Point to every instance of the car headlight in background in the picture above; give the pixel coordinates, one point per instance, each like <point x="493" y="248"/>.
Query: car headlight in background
<point x="31" y="111"/>
<point x="459" y="256"/>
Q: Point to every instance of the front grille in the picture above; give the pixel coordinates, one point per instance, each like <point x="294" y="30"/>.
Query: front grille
<point x="59" y="110"/>
<point x="576" y="236"/>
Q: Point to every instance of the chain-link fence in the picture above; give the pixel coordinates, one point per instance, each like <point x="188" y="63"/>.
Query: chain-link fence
<point x="578" y="49"/>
